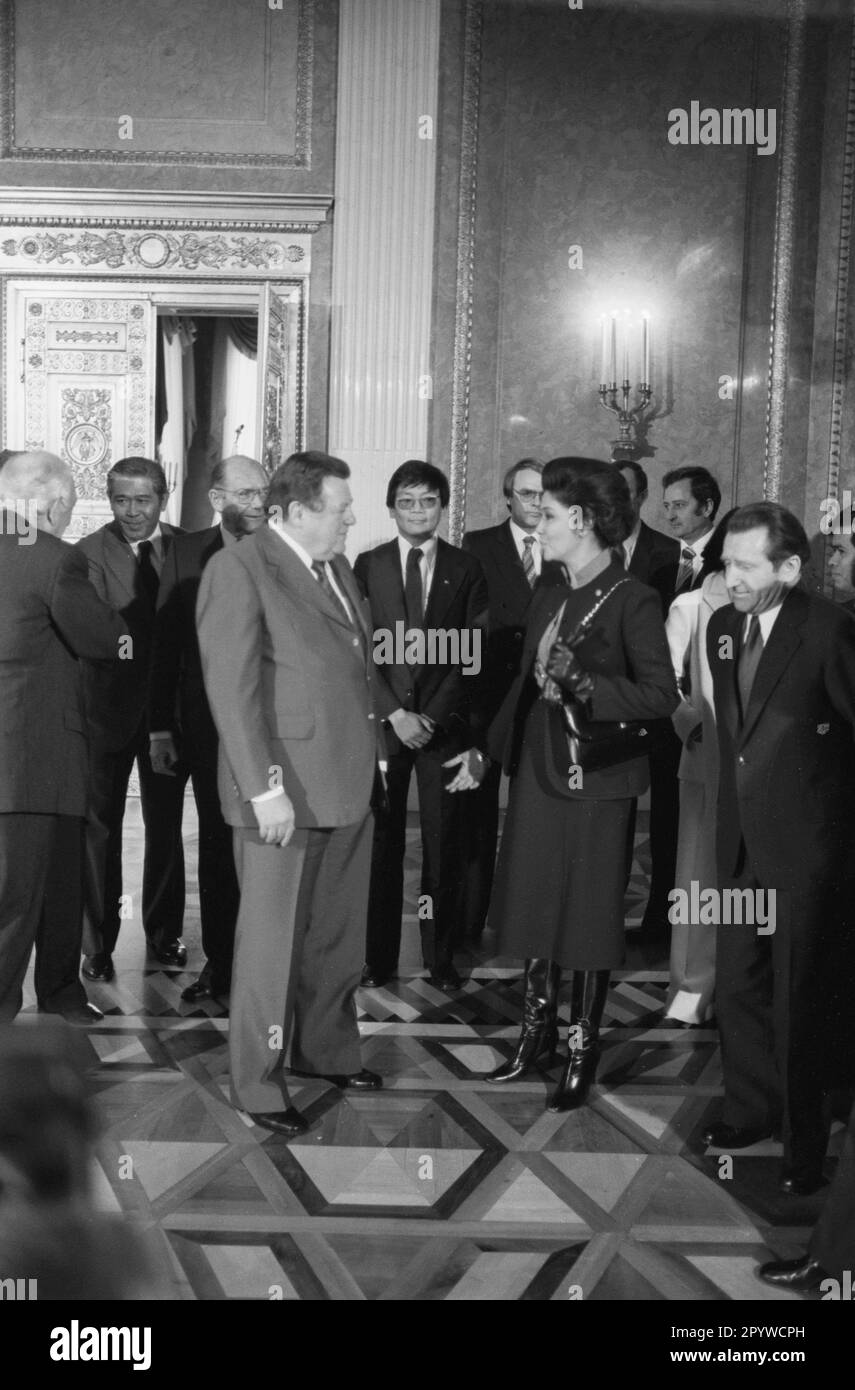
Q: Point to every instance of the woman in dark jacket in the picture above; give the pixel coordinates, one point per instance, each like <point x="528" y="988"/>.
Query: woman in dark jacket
<point x="561" y="875"/>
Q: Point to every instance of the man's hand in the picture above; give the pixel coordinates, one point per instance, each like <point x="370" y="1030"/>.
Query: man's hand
<point x="275" y="819"/>
<point x="410" y="728"/>
<point x="163" y="754"/>
<point x="473" y="768"/>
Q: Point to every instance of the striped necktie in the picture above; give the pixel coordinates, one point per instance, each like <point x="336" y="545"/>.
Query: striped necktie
<point x="686" y="570"/>
<point x="528" y="561"/>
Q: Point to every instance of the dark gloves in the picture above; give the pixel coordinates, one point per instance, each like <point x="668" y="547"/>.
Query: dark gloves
<point x="565" y="670"/>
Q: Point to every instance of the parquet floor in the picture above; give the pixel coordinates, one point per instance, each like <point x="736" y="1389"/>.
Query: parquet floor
<point x="440" y="1186"/>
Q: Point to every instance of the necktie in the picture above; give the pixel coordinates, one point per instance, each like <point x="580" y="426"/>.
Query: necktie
<point x="320" y="570"/>
<point x="749" y="659"/>
<point x="619" y="556"/>
<point x="149" y="581"/>
<point x="528" y="561"/>
<point x="413" y="596"/>
<point x="686" y="570"/>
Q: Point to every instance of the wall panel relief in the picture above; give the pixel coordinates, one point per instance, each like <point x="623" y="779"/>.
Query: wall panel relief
<point x="221" y="82"/>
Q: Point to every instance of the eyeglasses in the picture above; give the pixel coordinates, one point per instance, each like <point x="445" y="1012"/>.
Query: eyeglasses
<point x="410" y="504"/>
<point x="528" y="495"/>
<point x="245" y="495"/>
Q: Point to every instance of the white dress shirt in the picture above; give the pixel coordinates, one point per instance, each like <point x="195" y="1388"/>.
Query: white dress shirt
<point x="427" y="563"/>
<point x="520" y="537"/>
<point x="765" y="619"/>
<point x="155" y="536"/>
<point x="697" y="548"/>
<point x="631" y="542"/>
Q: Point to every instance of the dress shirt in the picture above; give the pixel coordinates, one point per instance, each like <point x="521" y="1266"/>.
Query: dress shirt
<point x="631" y="542"/>
<point x="765" y="619"/>
<point x="427" y="563"/>
<point x="697" y="548"/>
<point x="520" y="536"/>
<point x="155" y="536"/>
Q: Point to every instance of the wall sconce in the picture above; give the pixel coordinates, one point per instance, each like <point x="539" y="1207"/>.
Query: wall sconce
<point x="627" y="446"/>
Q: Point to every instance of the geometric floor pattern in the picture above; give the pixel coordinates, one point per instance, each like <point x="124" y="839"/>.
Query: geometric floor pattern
<point x="439" y="1186"/>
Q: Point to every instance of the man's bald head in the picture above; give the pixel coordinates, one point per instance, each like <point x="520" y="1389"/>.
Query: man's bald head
<point x="41" y="478"/>
<point x="238" y="493"/>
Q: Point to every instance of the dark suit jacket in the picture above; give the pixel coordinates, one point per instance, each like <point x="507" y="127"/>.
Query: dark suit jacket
<point x="457" y="601"/>
<point x="50" y="617"/>
<point x="787" y="775"/>
<point x="177" y="699"/>
<point x="656" y="561"/>
<point x="116" y="696"/>
<point x="626" y="648"/>
<point x="290" y="684"/>
<point x="508" y="600"/>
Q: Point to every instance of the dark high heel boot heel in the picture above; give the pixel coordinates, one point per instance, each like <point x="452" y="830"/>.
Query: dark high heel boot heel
<point x="539" y="1033"/>
<point x="588" y="998"/>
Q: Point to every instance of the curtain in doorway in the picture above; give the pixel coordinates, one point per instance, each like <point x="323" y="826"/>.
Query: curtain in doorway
<point x="177" y="338"/>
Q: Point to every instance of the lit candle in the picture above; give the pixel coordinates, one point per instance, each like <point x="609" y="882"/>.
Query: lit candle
<point x="613" y="374"/>
<point x="626" y="347"/>
<point x="605" y="353"/>
<point x="645" y="348"/>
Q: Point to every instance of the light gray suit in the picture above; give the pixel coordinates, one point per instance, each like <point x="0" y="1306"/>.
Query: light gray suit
<point x="291" y="686"/>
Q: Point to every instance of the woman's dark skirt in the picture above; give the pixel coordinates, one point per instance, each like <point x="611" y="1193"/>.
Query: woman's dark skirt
<point x="561" y="875"/>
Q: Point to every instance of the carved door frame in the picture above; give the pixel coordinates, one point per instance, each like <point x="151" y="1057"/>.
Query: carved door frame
<point x="182" y="249"/>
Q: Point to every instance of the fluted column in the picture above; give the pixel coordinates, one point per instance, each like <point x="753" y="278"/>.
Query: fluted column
<point x="383" y="246"/>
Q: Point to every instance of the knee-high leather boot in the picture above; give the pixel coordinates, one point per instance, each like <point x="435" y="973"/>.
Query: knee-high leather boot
<point x="587" y="1001"/>
<point x="539" y="1033"/>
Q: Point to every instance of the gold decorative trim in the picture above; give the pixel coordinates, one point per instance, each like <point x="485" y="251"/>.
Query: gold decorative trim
<point x="784" y="248"/>
<point x="151" y="249"/>
<point x="844" y="247"/>
<point x="467" y="196"/>
<point x="300" y="159"/>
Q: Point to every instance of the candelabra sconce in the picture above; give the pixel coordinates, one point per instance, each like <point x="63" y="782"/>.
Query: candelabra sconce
<point x="627" y="446"/>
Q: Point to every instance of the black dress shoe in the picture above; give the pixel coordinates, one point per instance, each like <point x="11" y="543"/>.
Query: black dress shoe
<point x="445" y="977"/>
<point x="802" y="1274"/>
<point x="205" y="988"/>
<point x="722" y="1136"/>
<point x="174" y="953"/>
<point x="289" y="1121"/>
<point x="79" y="1014"/>
<point x="374" y="979"/>
<point x="98" y="967"/>
<point x="801" y="1184"/>
<point x="358" y="1081"/>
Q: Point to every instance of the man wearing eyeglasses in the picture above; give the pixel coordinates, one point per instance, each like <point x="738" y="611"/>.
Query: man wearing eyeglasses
<point x="183" y="737"/>
<point x="419" y="581"/>
<point x="513" y="566"/>
<point x="126" y="558"/>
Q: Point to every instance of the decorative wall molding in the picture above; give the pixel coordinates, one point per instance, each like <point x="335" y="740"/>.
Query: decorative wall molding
<point x="785" y="229"/>
<point x="152" y="249"/>
<point x="90" y="207"/>
<point x="462" y="359"/>
<point x="841" y="300"/>
<point x="300" y="159"/>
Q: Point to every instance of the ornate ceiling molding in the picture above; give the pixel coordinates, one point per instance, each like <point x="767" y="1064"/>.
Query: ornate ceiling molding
<point x="784" y="251"/>
<point x="467" y="195"/>
<point x="300" y="159"/>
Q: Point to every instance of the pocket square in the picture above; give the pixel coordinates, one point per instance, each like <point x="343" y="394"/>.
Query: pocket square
<point x="823" y="728"/>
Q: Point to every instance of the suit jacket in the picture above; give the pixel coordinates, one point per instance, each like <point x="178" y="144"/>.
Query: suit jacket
<point x="656" y="561"/>
<point x="686" y="628"/>
<point x="787" y="773"/>
<point x="457" y="601"/>
<point x="177" y="699"/>
<point x="290" y="682"/>
<point x="508" y="600"/>
<point x="116" y="696"/>
<point x="50" y="618"/>
<point x="625" y="648"/>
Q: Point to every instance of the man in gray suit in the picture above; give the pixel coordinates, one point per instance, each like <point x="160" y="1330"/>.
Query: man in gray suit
<point x="125" y="561"/>
<point x="50" y="618"/>
<point x="286" y="645"/>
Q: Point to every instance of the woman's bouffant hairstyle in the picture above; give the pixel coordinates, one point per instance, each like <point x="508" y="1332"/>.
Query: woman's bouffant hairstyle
<point x="599" y="489"/>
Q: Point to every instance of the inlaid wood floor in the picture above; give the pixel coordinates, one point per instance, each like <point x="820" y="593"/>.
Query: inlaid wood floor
<point x="440" y="1186"/>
